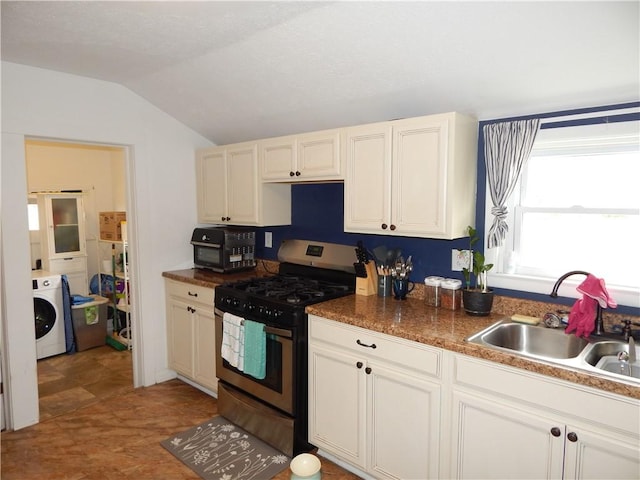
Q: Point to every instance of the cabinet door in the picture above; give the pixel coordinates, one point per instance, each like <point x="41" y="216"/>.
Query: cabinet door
<point x="404" y="419"/>
<point x="319" y="156"/>
<point x="75" y="268"/>
<point x="419" y="176"/>
<point x="204" y="356"/>
<point x="62" y="224"/>
<point x="180" y="336"/>
<point x="367" y="185"/>
<point x="592" y="455"/>
<point x="337" y="404"/>
<point x="242" y="184"/>
<point x="211" y="175"/>
<point x="278" y="159"/>
<point x="495" y="440"/>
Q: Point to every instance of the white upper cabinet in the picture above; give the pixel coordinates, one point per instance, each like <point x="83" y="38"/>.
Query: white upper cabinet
<point x="413" y="177"/>
<point x="229" y="192"/>
<point x="307" y="157"/>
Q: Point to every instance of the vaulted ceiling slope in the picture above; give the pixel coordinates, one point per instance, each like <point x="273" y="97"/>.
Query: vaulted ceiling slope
<point x="241" y="70"/>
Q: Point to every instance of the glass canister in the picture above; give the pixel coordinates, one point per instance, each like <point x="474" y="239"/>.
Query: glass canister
<point x="451" y="294"/>
<point x="432" y="291"/>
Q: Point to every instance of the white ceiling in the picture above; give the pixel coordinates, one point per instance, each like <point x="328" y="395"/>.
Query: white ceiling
<point x="236" y="71"/>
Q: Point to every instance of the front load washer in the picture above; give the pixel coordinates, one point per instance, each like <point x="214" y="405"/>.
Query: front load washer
<point x="48" y="313"/>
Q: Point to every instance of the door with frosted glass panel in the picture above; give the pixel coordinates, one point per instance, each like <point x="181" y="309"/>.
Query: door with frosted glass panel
<point x="62" y="224"/>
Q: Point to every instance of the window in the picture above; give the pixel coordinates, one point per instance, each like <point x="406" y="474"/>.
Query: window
<point x="576" y="207"/>
<point x="32" y="210"/>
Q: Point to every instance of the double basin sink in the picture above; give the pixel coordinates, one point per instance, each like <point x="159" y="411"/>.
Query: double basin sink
<point x="599" y="355"/>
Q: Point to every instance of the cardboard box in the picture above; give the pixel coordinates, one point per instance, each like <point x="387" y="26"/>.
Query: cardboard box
<point x="90" y="323"/>
<point x="110" y="225"/>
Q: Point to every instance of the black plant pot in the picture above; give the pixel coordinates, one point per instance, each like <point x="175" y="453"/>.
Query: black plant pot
<point x="477" y="303"/>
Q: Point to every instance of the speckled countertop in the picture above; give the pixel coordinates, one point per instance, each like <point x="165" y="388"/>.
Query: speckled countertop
<point x="414" y="320"/>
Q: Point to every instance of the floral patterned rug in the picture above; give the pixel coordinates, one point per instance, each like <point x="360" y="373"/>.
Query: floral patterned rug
<point x="220" y="450"/>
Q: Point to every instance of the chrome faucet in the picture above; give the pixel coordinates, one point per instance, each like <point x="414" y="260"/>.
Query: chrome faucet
<point x="599" y="327"/>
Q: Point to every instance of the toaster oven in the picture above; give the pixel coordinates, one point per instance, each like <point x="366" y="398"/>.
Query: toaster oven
<point x="224" y="249"/>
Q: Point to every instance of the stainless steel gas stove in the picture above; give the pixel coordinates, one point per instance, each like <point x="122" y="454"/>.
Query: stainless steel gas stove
<point x="274" y="408"/>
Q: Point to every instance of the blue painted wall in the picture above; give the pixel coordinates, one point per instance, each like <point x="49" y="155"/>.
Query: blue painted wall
<point x="317" y="214"/>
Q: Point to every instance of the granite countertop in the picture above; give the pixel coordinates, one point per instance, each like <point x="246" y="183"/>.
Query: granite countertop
<point x="209" y="279"/>
<point x="413" y="320"/>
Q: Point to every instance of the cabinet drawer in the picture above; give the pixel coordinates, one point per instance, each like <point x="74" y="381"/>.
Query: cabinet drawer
<point x="411" y="355"/>
<point x="189" y="292"/>
<point x="68" y="265"/>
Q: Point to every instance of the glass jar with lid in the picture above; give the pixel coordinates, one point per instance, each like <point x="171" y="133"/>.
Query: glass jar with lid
<point x="451" y="294"/>
<point x="432" y="291"/>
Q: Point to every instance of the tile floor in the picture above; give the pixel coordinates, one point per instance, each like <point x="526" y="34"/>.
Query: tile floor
<point x="96" y="426"/>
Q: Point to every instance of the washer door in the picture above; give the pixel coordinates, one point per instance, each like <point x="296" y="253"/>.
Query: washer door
<point x="45" y="316"/>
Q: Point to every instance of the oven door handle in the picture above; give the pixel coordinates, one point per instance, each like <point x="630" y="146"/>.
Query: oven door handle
<point x="279" y="332"/>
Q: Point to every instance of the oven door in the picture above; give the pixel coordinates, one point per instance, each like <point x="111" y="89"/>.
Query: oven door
<point x="277" y="388"/>
<point x="208" y="256"/>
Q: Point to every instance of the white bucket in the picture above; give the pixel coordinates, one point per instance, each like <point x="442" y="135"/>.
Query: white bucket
<point x="107" y="267"/>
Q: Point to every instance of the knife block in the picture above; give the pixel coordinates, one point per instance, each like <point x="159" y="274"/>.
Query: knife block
<point x="369" y="285"/>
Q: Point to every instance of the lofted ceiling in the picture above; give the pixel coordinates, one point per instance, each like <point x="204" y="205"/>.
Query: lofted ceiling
<point x="242" y="70"/>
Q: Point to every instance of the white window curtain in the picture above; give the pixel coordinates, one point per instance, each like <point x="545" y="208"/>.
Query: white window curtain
<point x="507" y="146"/>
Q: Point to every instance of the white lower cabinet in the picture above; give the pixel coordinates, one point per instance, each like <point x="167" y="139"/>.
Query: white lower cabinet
<point x="191" y="332"/>
<point x="376" y="408"/>
<point x="512" y="424"/>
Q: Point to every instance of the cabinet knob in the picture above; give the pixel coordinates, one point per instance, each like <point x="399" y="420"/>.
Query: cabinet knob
<point x="555" y="431"/>
<point x="359" y="364"/>
<point x="297" y="174"/>
<point x="222" y="218"/>
<point x="392" y="227"/>
<point x="291" y="174"/>
<point x="572" y="436"/>
<point x="384" y="226"/>
<point x="367" y="370"/>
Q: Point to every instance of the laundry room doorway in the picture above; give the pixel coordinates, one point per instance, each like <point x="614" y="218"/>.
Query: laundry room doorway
<point x="95" y="174"/>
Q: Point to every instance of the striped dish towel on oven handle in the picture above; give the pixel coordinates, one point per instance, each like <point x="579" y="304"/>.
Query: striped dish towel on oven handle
<point x="233" y="340"/>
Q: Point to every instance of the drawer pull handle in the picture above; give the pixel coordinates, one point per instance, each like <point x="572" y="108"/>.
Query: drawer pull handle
<point x="555" y="431"/>
<point x="373" y="345"/>
<point x="192" y="294"/>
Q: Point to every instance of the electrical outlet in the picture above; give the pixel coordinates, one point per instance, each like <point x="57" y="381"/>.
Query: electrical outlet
<point x="459" y="259"/>
<point x="268" y="239"/>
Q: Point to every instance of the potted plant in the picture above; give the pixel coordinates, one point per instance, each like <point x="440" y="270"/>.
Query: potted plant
<point x="477" y="301"/>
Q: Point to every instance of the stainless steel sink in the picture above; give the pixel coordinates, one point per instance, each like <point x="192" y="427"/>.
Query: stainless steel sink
<point x="605" y="355"/>
<point x="532" y="341"/>
<point x="595" y="355"/>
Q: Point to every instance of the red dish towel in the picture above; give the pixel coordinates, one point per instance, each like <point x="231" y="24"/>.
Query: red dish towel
<point x="583" y="313"/>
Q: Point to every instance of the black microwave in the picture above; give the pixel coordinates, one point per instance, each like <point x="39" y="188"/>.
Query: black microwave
<point x="224" y="249"/>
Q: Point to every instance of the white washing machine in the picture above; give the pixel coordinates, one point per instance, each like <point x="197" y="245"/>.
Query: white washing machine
<point x="48" y="313"/>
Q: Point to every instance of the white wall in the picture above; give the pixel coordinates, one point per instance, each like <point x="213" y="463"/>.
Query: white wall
<point x="161" y="193"/>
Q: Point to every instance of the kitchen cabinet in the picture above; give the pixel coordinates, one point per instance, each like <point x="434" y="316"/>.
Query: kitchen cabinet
<point x="374" y="400"/>
<point x="414" y="177"/>
<point x="63" y="241"/>
<point x="228" y="191"/>
<point x="191" y="332"/>
<point x="509" y="423"/>
<point x="314" y="156"/>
